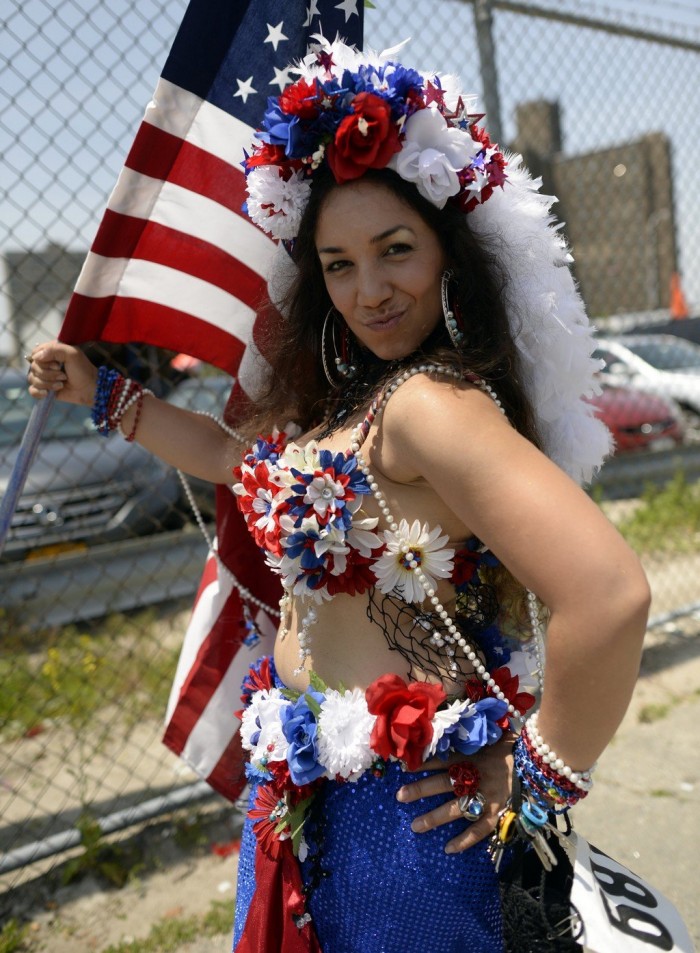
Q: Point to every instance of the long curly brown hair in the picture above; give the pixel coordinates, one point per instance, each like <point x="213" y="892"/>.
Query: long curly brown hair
<point x="297" y="388"/>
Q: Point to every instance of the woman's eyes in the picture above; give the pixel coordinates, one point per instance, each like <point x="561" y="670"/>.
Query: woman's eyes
<point x="397" y="248"/>
<point x="335" y="266"/>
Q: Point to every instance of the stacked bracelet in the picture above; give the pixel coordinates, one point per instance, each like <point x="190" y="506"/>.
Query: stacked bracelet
<point x="114" y="395"/>
<point x="551" y="782"/>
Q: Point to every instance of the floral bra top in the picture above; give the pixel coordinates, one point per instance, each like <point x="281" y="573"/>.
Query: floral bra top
<point x="303" y="507"/>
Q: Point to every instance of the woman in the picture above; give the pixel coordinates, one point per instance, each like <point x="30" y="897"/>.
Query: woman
<point x="433" y="355"/>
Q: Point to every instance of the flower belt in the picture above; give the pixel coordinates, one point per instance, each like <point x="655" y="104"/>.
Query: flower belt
<point x="298" y="739"/>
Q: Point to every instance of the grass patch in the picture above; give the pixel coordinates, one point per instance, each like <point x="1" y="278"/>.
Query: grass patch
<point x="653" y="712"/>
<point x="12" y="937"/>
<point x="667" y="520"/>
<point x="73" y="673"/>
<point x="169" y="934"/>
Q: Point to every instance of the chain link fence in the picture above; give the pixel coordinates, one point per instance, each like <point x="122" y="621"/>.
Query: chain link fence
<point x="104" y="557"/>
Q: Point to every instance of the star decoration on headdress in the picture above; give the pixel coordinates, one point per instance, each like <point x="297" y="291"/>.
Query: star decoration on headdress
<point x="461" y="117"/>
<point x="325" y="59"/>
<point x="275" y="35"/>
<point x="434" y="94"/>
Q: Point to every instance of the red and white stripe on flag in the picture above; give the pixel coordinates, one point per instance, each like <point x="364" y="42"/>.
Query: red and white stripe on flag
<point x="201" y="727"/>
<point x="176" y="263"/>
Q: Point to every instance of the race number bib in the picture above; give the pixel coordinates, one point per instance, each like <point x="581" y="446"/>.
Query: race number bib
<point x="620" y="911"/>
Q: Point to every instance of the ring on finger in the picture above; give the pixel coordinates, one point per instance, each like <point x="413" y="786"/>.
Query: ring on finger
<point x="472" y="806"/>
<point x="464" y="778"/>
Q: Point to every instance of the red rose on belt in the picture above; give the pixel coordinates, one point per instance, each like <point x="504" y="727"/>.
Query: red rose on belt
<point x="404" y="717"/>
<point x="365" y="140"/>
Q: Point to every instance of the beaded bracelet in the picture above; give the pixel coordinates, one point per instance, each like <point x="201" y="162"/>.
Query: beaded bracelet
<point x="114" y="395"/>
<point x="551" y="783"/>
<point x="106" y="379"/>
<point x="581" y="779"/>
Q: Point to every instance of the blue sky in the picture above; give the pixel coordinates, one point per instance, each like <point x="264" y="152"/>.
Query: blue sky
<point x="74" y="83"/>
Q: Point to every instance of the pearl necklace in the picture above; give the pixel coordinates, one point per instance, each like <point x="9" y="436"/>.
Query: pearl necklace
<point x="453" y="635"/>
<point x="245" y="594"/>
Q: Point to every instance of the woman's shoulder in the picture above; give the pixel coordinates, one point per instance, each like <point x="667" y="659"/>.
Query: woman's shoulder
<point x="422" y="399"/>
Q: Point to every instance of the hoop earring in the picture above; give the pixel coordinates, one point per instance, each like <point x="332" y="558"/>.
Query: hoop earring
<point x="343" y="364"/>
<point x="452" y="316"/>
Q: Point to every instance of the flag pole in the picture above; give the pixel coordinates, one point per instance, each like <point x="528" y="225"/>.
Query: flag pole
<point x="25" y="457"/>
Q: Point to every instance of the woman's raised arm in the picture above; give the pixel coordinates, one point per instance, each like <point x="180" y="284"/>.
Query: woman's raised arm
<point x="187" y="440"/>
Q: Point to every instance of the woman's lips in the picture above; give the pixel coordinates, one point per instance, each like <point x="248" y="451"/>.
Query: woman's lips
<point x="385" y="323"/>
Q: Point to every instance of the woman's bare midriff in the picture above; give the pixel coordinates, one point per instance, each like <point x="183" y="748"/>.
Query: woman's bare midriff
<point x="347" y="647"/>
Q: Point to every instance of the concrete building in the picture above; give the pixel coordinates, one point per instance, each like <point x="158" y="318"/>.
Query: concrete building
<point x="617" y="205"/>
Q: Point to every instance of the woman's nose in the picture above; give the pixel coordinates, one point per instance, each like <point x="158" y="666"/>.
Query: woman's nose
<point x="373" y="288"/>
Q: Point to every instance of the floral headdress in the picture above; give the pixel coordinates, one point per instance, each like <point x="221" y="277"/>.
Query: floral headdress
<point x="352" y="114"/>
<point x="354" y="111"/>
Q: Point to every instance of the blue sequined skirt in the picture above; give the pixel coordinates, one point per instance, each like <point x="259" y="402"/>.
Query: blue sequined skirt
<point x="374" y="886"/>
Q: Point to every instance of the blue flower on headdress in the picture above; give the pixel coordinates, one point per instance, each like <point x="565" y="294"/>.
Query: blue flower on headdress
<point x="296" y="137"/>
<point x="300" y="730"/>
<point x="401" y="79"/>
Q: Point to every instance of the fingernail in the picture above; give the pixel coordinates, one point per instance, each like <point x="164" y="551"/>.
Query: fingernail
<point x="38" y="356"/>
<point x="401" y="795"/>
<point x="449" y="849"/>
<point x="58" y="385"/>
<point x="418" y="826"/>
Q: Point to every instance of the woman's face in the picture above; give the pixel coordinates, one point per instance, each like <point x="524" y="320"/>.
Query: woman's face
<point x="382" y="266"/>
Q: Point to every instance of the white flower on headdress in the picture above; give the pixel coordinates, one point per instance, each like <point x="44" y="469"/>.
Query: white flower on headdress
<point x="261" y="726"/>
<point x="425" y="547"/>
<point x="432" y="154"/>
<point x="344" y="729"/>
<point x="274" y="204"/>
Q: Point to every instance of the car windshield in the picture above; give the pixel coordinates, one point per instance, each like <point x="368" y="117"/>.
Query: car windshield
<point x="66" y="421"/>
<point x="667" y="356"/>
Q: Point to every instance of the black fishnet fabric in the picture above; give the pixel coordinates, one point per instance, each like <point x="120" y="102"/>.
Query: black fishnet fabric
<point x="411" y="631"/>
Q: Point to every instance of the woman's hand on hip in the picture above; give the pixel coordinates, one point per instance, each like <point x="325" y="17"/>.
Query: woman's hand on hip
<point x="495" y="765"/>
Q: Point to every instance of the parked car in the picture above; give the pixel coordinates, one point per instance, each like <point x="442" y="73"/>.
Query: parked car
<point x="81" y="489"/>
<point x="206" y="395"/>
<point x="659" y="363"/>
<point x="639" y="420"/>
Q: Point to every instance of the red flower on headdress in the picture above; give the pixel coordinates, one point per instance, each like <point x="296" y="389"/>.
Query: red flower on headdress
<point x="404" y="717"/>
<point x="365" y="140"/>
<point x="300" y="99"/>
<point x="266" y="154"/>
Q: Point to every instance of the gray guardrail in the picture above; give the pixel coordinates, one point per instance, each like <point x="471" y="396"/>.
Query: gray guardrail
<point x="629" y="474"/>
<point x="113" y="577"/>
<point x="116" y="577"/>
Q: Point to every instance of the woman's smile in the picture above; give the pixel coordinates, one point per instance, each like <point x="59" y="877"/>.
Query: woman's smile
<point x="382" y="266"/>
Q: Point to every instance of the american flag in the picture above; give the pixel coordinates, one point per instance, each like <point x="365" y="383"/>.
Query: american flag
<point x="176" y="263"/>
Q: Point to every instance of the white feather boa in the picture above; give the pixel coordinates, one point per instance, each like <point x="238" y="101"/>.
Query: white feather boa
<point x="547" y="319"/>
